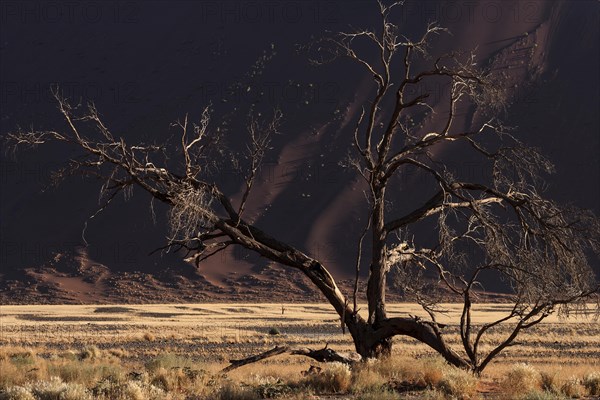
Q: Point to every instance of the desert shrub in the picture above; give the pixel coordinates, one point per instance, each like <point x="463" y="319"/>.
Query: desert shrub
<point x="381" y="394"/>
<point x="550" y="381"/>
<point x="163" y="379"/>
<point x="119" y="353"/>
<point x="592" y="383"/>
<point x="84" y="372"/>
<point x="573" y="388"/>
<point x="10" y="374"/>
<point x="131" y="390"/>
<point x="274" y="332"/>
<point x="23" y="359"/>
<point x="17" y="374"/>
<point x="367" y="379"/>
<point x="48" y="390"/>
<point x="273" y="390"/>
<point x="390" y="367"/>
<point x="335" y="377"/>
<point x="431" y="373"/>
<point x="175" y="379"/>
<point x="522" y="379"/>
<point x="141" y="391"/>
<point x="149" y="337"/>
<point x="458" y="383"/>
<point x="433" y="394"/>
<point x="90" y="353"/>
<point x="75" y="391"/>
<point x="114" y="372"/>
<point x="113" y="310"/>
<point x="73" y="372"/>
<point x="170" y="380"/>
<point x="169" y="361"/>
<point x="541" y="395"/>
<point x="232" y="391"/>
<point x="16" y="393"/>
<point x="55" y="389"/>
<point x="105" y="388"/>
<point x="269" y="387"/>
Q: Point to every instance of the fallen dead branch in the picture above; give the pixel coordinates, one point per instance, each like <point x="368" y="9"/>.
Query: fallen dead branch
<point x="322" y="355"/>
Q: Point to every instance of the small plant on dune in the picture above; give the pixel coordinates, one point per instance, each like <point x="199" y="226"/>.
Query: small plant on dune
<point x="592" y="383"/>
<point x="274" y="332"/>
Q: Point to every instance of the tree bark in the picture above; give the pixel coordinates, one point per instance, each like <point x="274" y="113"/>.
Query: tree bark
<point x="424" y="331"/>
<point x="376" y="286"/>
<point x="252" y="359"/>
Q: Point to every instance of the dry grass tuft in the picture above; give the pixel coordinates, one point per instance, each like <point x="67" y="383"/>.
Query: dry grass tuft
<point x="432" y="371"/>
<point x="368" y="379"/>
<point x="521" y="380"/>
<point x="333" y="378"/>
<point x="573" y="388"/>
<point x="592" y="383"/>
<point x="550" y="381"/>
<point x="90" y="353"/>
<point x="382" y="394"/>
<point x="458" y="384"/>
<point x="149" y="337"/>
<point x="17" y="393"/>
<point x="231" y="391"/>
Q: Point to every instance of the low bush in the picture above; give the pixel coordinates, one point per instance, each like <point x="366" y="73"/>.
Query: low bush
<point x="458" y="384"/>
<point x="521" y="380"/>
<point x="592" y="383"/>
<point x="334" y="377"/>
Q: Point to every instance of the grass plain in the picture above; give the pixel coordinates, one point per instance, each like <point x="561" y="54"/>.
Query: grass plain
<point x="176" y="351"/>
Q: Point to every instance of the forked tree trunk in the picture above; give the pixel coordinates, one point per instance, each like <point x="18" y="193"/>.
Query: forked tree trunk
<point x="366" y="349"/>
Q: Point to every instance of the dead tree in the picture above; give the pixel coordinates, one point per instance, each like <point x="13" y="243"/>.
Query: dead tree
<point x="500" y="226"/>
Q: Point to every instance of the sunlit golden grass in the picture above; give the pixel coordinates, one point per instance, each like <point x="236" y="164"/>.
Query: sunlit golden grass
<point x="177" y="351"/>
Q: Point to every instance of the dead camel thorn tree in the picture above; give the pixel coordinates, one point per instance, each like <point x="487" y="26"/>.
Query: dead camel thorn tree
<point x="502" y="227"/>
